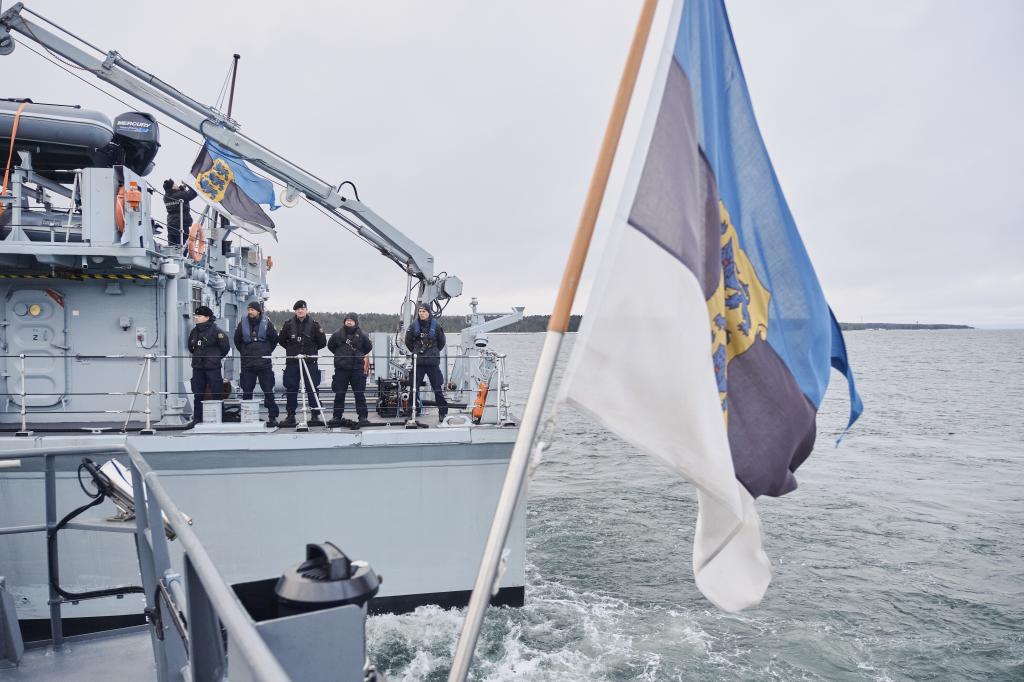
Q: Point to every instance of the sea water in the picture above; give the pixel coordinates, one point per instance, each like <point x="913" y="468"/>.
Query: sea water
<point x="900" y="556"/>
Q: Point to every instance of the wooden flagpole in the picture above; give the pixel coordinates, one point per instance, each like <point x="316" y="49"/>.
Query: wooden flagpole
<point x="515" y="475"/>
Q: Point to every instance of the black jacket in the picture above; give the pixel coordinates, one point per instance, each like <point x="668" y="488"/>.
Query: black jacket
<point x="208" y="345"/>
<point x="349" y="346"/>
<point x="420" y="341"/>
<point x="303" y="337"/>
<point x="176" y="203"/>
<point x="250" y="347"/>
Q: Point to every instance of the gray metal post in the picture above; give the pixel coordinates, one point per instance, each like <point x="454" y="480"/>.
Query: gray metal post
<point x="148" y="431"/>
<point x="414" y="395"/>
<point x="173" y="647"/>
<point x="52" y="563"/>
<point x="304" y="424"/>
<point x="24" y="418"/>
<point x="207" y="658"/>
<point x="135" y="395"/>
<point x="173" y="403"/>
<point x="316" y="389"/>
<point x="148" y="571"/>
<point x="502" y="408"/>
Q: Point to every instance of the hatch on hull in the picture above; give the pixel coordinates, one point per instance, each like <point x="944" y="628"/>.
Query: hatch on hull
<point x="34" y="324"/>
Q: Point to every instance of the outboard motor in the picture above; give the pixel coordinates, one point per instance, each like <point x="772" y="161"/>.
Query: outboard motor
<point x="137" y="135"/>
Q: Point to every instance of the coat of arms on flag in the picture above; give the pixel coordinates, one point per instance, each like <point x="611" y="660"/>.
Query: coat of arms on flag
<point x="225" y="182"/>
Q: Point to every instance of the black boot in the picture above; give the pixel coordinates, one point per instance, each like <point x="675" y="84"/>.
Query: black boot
<point x="271" y="422"/>
<point x="335" y="421"/>
<point x="315" y="419"/>
<point x="442" y="412"/>
<point x="289" y="421"/>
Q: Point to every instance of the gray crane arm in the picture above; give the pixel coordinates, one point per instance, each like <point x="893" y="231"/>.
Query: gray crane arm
<point x="210" y="123"/>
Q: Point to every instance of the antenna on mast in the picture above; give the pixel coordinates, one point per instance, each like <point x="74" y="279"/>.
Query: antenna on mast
<point x="231" y="102"/>
<point x="234" y="75"/>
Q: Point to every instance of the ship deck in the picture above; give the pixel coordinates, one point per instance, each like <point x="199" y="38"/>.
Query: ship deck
<point x="117" y="655"/>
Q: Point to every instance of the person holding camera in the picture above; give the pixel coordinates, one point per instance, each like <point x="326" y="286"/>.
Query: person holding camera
<point x="179" y="215"/>
<point x="350" y="346"/>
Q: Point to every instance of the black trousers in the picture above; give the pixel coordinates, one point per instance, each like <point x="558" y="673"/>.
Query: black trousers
<point x="432" y="372"/>
<point x="206" y="384"/>
<point x="247" y="380"/>
<point x="292" y="372"/>
<point x="343" y="378"/>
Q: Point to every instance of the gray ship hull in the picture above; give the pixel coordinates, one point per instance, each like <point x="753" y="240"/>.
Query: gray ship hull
<point x="415" y="503"/>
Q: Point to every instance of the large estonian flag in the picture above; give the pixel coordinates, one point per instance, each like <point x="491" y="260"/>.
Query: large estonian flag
<point x="707" y="340"/>
<point x="224" y="181"/>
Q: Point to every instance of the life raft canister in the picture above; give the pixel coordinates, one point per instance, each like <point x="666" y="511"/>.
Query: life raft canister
<point x="133" y="196"/>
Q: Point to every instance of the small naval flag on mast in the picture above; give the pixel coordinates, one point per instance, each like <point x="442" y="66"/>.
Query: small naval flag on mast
<point x="731" y="340"/>
<point x="225" y="182"/>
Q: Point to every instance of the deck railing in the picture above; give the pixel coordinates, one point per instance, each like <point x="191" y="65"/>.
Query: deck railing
<point x="208" y="601"/>
<point x="144" y="390"/>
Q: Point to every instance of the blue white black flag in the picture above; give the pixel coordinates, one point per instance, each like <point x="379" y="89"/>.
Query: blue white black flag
<point x="731" y="340"/>
<point x="224" y="181"/>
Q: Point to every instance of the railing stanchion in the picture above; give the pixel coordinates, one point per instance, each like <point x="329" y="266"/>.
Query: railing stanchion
<point x="149" y="431"/>
<point x="414" y="395"/>
<point x="24" y="417"/>
<point x="135" y="395"/>
<point x="52" y="563"/>
<point x="304" y="424"/>
<point x="502" y="408"/>
<point x="316" y="390"/>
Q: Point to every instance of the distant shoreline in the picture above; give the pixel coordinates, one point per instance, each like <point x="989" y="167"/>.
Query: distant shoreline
<point x="388" y="322"/>
<point x="867" y="326"/>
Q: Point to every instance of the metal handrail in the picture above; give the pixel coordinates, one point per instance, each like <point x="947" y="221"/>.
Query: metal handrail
<point x="145" y="372"/>
<point x="230" y="612"/>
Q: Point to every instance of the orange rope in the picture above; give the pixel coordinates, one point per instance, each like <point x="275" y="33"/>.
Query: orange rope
<point x="10" y="154"/>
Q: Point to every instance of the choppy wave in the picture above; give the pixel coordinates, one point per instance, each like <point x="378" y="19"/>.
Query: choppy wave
<point x="561" y="634"/>
<point x="900" y="557"/>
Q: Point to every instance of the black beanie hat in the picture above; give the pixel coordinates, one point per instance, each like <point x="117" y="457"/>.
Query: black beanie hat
<point x="256" y="305"/>
<point x="299" y="304"/>
<point x="353" y="317"/>
<point x="168" y="185"/>
<point x="204" y="310"/>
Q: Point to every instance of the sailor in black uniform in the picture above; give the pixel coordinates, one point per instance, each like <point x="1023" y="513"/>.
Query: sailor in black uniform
<point x="255" y="339"/>
<point x="179" y="215"/>
<point x="350" y="346"/>
<point x="208" y="345"/>
<point x="301" y="335"/>
<point x="425" y="339"/>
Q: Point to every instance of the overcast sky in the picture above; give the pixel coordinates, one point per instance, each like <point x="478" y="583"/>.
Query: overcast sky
<point x="895" y="128"/>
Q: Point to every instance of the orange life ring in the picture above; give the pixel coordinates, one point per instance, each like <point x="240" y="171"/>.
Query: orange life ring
<point x="196" y="243"/>
<point x="119" y="209"/>
<point x="481" y="400"/>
